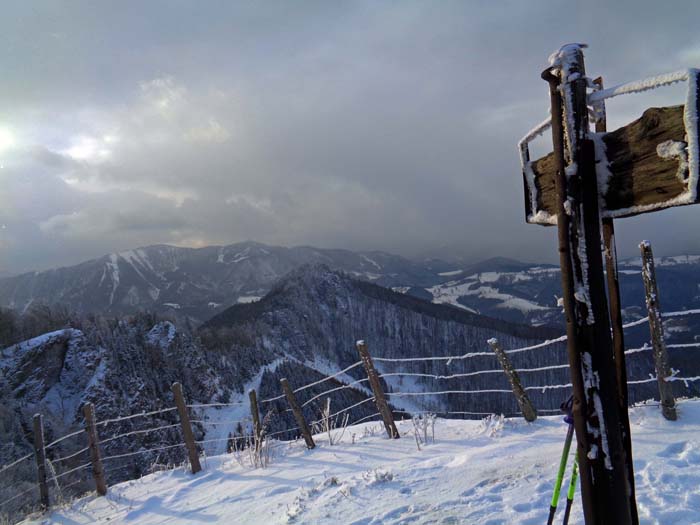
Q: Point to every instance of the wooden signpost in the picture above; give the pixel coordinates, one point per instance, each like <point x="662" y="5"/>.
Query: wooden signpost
<point x="589" y="179"/>
<point x="647" y="165"/>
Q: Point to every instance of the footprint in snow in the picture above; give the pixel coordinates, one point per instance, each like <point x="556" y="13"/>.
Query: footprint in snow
<point x="673" y="450"/>
<point x="682" y="454"/>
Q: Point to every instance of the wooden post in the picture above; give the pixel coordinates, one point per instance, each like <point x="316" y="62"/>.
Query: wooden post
<point x="186" y="428"/>
<point x="255" y="413"/>
<point x="379" y="397"/>
<point x="521" y="396"/>
<point x="298" y="414"/>
<point x="668" y="403"/>
<point x="610" y="253"/>
<point x="40" y="454"/>
<point x="604" y="473"/>
<point x="98" y="471"/>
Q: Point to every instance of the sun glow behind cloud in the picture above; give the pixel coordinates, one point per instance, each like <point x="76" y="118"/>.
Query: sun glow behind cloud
<point x="7" y="140"/>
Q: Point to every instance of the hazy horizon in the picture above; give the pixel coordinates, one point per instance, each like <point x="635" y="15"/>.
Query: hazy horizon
<point x="363" y="125"/>
<point x="455" y="259"/>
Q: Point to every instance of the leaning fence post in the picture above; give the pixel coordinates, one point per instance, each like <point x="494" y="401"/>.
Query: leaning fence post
<point x="255" y="412"/>
<point x="98" y="471"/>
<point x="668" y="403"/>
<point x="40" y="454"/>
<point x="186" y="428"/>
<point x="298" y="414"/>
<point x="379" y="397"/>
<point x="521" y="396"/>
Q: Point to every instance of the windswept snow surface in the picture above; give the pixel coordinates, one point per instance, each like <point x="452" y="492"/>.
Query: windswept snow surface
<point x="493" y="471"/>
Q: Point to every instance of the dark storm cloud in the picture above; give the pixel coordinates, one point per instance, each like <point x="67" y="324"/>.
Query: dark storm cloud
<point x="359" y="125"/>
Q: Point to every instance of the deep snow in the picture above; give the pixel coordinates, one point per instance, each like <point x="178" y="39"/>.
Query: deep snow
<point x="492" y="471"/>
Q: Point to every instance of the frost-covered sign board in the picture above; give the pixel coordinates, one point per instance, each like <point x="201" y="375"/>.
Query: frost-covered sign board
<point x="650" y="164"/>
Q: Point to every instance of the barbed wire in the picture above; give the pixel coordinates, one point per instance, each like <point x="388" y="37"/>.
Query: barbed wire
<point x="328" y="378"/>
<point x="132" y="416"/>
<point x="74" y="454"/>
<point x="209" y="405"/>
<point x="137" y="432"/>
<point x="343" y="387"/>
<point x="23" y="493"/>
<point x="16" y="462"/>
<point x="447" y="358"/>
<point x="63" y="438"/>
<point x="215" y="423"/>
<point x="155" y="449"/>
<point x="62" y="474"/>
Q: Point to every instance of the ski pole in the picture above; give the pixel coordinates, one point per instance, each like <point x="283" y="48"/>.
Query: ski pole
<point x="560" y="474"/>
<point x="572" y="489"/>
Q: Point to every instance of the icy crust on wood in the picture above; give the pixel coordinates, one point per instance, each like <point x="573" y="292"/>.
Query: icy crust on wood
<point x="639" y="86"/>
<point x="529" y="174"/>
<point x="650" y="164"/>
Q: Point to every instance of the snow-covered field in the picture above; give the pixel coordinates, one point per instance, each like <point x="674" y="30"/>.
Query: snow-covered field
<point x="476" y="472"/>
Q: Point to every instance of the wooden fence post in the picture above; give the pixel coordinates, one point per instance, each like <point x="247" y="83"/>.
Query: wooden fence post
<point x="379" y="397"/>
<point x="40" y="454"/>
<point x="94" y="444"/>
<point x="298" y="414"/>
<point x="521" y="396"/>
<point x="255" y="412"/>
<point x="186" y="428"/>
<point x="668" y="403"/>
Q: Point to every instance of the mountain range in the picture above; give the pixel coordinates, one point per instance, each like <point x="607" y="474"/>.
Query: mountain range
<point x="198" y="283"/>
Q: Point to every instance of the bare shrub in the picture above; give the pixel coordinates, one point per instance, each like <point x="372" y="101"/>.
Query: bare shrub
<point x="334" y="427"/>
<point x="252" y="450"/>
<point x="424" y="428"/>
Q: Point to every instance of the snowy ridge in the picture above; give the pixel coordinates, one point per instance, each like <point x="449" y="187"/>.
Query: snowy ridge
<point x="156" y="277"/>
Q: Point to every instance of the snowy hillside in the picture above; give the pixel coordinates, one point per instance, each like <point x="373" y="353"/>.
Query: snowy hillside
<point x="476" y="472"/>
<point x="304" y="330"/>
<point x="528" y="293"/>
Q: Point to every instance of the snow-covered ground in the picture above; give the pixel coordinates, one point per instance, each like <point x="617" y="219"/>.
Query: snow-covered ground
<point x="476" y="472"/>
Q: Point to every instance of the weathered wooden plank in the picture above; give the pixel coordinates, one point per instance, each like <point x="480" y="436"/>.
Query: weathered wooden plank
<point x="639" y="176"/>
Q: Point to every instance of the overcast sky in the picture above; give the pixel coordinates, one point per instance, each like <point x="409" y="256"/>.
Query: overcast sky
<point x="361" y="125"/>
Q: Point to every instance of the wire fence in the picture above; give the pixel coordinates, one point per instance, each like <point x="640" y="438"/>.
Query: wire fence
<point x="315" y="391"/>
